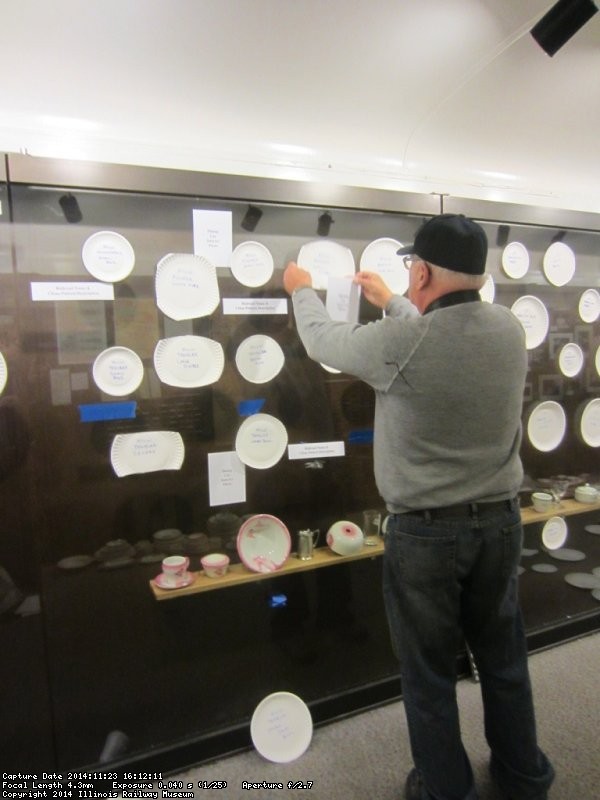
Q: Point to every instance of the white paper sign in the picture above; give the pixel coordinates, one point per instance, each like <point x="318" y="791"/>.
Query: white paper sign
<point x="255" y="305"/>
<point x="342" y="299"/>
<point x="72" y="290"/>
<point x="213" y="237"/>
<point x="226" y="479"/>
<point x="307" y="451"/>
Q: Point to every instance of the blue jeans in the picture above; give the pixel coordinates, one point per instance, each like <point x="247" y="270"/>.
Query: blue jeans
<point x="446" y="581"/>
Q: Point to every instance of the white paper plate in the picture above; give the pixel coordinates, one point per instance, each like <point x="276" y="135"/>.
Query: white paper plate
<point x="567" y="554"/>
<point x="148" y="451"/>
<point x="590" y="423"/>
<point x="188" y="361"/>
<point x="546" y="426"/>
<point x="261" y="441"/>
<point x="570" y="360"/>
<point x="380" y="256"/>
<point x="263" y="543"/>
<point x="595" y="529"/>
<point x="252" y="264"/>
<point x="186" y="286"/>
<point x="559" y="263"/>
<point x="533" y="316"/>
<point x="323" y="258"/>
<point x="597" y="360"/>
<point x="583" y="580"/>
<point x="3" y="373"/>
<point x="515" y="260"/>
<point x="281" y="727"/>
<point x="554" y="533"/>
<point x="108" y="256"/>
<point x="118" y="371"/>
<point x="488" y="290"/>
<point x="589" y="305"/>
<point x="259" y="358"/>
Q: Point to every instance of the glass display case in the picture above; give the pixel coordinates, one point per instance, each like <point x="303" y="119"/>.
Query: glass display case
<point x="99" y="355"/>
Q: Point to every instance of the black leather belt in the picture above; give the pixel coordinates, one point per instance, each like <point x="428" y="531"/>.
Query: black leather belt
<point x="464" y="510"/>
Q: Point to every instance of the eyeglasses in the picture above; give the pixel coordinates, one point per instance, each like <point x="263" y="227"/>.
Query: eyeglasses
<point x="409" y="260"/>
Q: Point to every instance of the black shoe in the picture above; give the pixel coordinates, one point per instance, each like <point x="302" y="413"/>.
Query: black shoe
<point x="413" y="787"/>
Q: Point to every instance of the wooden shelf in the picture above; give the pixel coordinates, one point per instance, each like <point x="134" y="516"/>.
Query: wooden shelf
<point x="238" y="574"/>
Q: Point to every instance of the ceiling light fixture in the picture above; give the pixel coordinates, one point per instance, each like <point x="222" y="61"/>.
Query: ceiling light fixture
<point x="562" y="22"/>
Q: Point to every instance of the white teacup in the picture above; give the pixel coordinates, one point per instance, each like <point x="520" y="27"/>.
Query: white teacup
<point x="345" y="538"/>
<point x="542" y="501"/>
<point x="174" y="569"/>
<point x="215" y="565"/>
<point x="586" y="494"/>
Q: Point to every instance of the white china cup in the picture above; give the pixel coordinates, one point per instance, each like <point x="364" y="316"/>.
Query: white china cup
<point x="174" y="569"/>
<point x="586" y="494"/>
<point x="215" y="565"/>
<point x="542" y="501"/>
<point x="345" y="538"/>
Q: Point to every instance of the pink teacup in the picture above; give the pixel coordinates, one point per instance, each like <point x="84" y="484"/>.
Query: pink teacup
<point x="174" y="569"/>
<point x="215" y="565"/>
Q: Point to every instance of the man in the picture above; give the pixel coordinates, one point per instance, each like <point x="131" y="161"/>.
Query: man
<point x="448" y="373"/>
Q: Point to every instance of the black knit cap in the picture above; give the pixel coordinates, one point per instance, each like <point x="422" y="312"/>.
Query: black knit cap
<point x="452" y="241"/>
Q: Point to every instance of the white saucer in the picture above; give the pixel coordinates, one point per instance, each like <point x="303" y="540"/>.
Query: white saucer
<point x="324" y="258"/>
<point x="590" y="423"/>
<point x="559" y="263"/>
<point x="281" y="727"/>
<point x="381" y="256"/>
<point x="589" y="305"/>
<point x="261" y="441"/>
<point x="252" y="264"/>
<point x="118" y="371"/>
<point x="3" y="373"/>
<point x="188" y="361"/>
<point x="570" y="360"/>
<point x="533" y="316"/>
<point x="186" y="286"/>
<point x="554" y="533"/>
<point x="108" y="256"/>
<point x="515" y="260"/>
<point x="546" y="426"/>
<point x="595" y="529"/>
<point x="185" y="580"/>
<point x="259" y="358"/>
<point x="583" y="580"/>
<point x="567" y="554"/>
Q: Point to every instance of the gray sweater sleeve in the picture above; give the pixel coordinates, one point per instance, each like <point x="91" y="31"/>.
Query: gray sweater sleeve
<point x="360" y="350"/>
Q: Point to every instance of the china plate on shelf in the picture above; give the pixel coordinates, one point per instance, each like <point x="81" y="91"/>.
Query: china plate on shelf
<point x="281" y="727"/>
<point x="118" y="371"/>
<point x="3" y="373"/>
<point x="589" y="305"/>
<point x="148" y="451"/>
<point x="546" y="426"/>
<point x="252" y="264"/>
<point x="570" y="360"/>
<point x="263" y="543"/>
<point x="185" y="580"/>
<point x="108" y="256"/>
<point x="590" y="423"/>
<point x="559" y="263"/>
<point x="261" y="441"/>
<point x="533" y="316"/>
<point x="325" y="258"/>
<point x="186" y="286"/>
<point x="381" y="256"/>
<point x="259" y="358"/>
<point x="554" y="533"/>
<point x="188" y="361"/>
<point x="515" y="260"/>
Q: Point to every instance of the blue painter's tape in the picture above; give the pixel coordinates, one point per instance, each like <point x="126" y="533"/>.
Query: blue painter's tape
<point x="361" y="437"/>
<point x="278" y="601"/>
<point x="248" y="407"/>
<point x="96" y="412"/>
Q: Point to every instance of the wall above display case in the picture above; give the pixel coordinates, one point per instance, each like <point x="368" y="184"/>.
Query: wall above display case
<point x="159" y="400"/>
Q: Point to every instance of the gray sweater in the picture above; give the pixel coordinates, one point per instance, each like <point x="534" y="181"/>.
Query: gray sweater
<point x="449" y="390"/>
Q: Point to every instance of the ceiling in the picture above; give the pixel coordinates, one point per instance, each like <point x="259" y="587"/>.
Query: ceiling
<point x="446" y="96"/>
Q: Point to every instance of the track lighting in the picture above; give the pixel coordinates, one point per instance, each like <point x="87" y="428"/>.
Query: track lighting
<point x="251" y="218"/>
<point x="325" y="223"/>
<point x="562" y="22"/>
<point x="70" y="208"/>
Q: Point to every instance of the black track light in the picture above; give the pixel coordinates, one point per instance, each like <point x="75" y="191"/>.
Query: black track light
<point x="325" y="223"/>
<point x="70" y="208"/>
<point x="562" y="22"/>
<point x="251" y="218"/>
